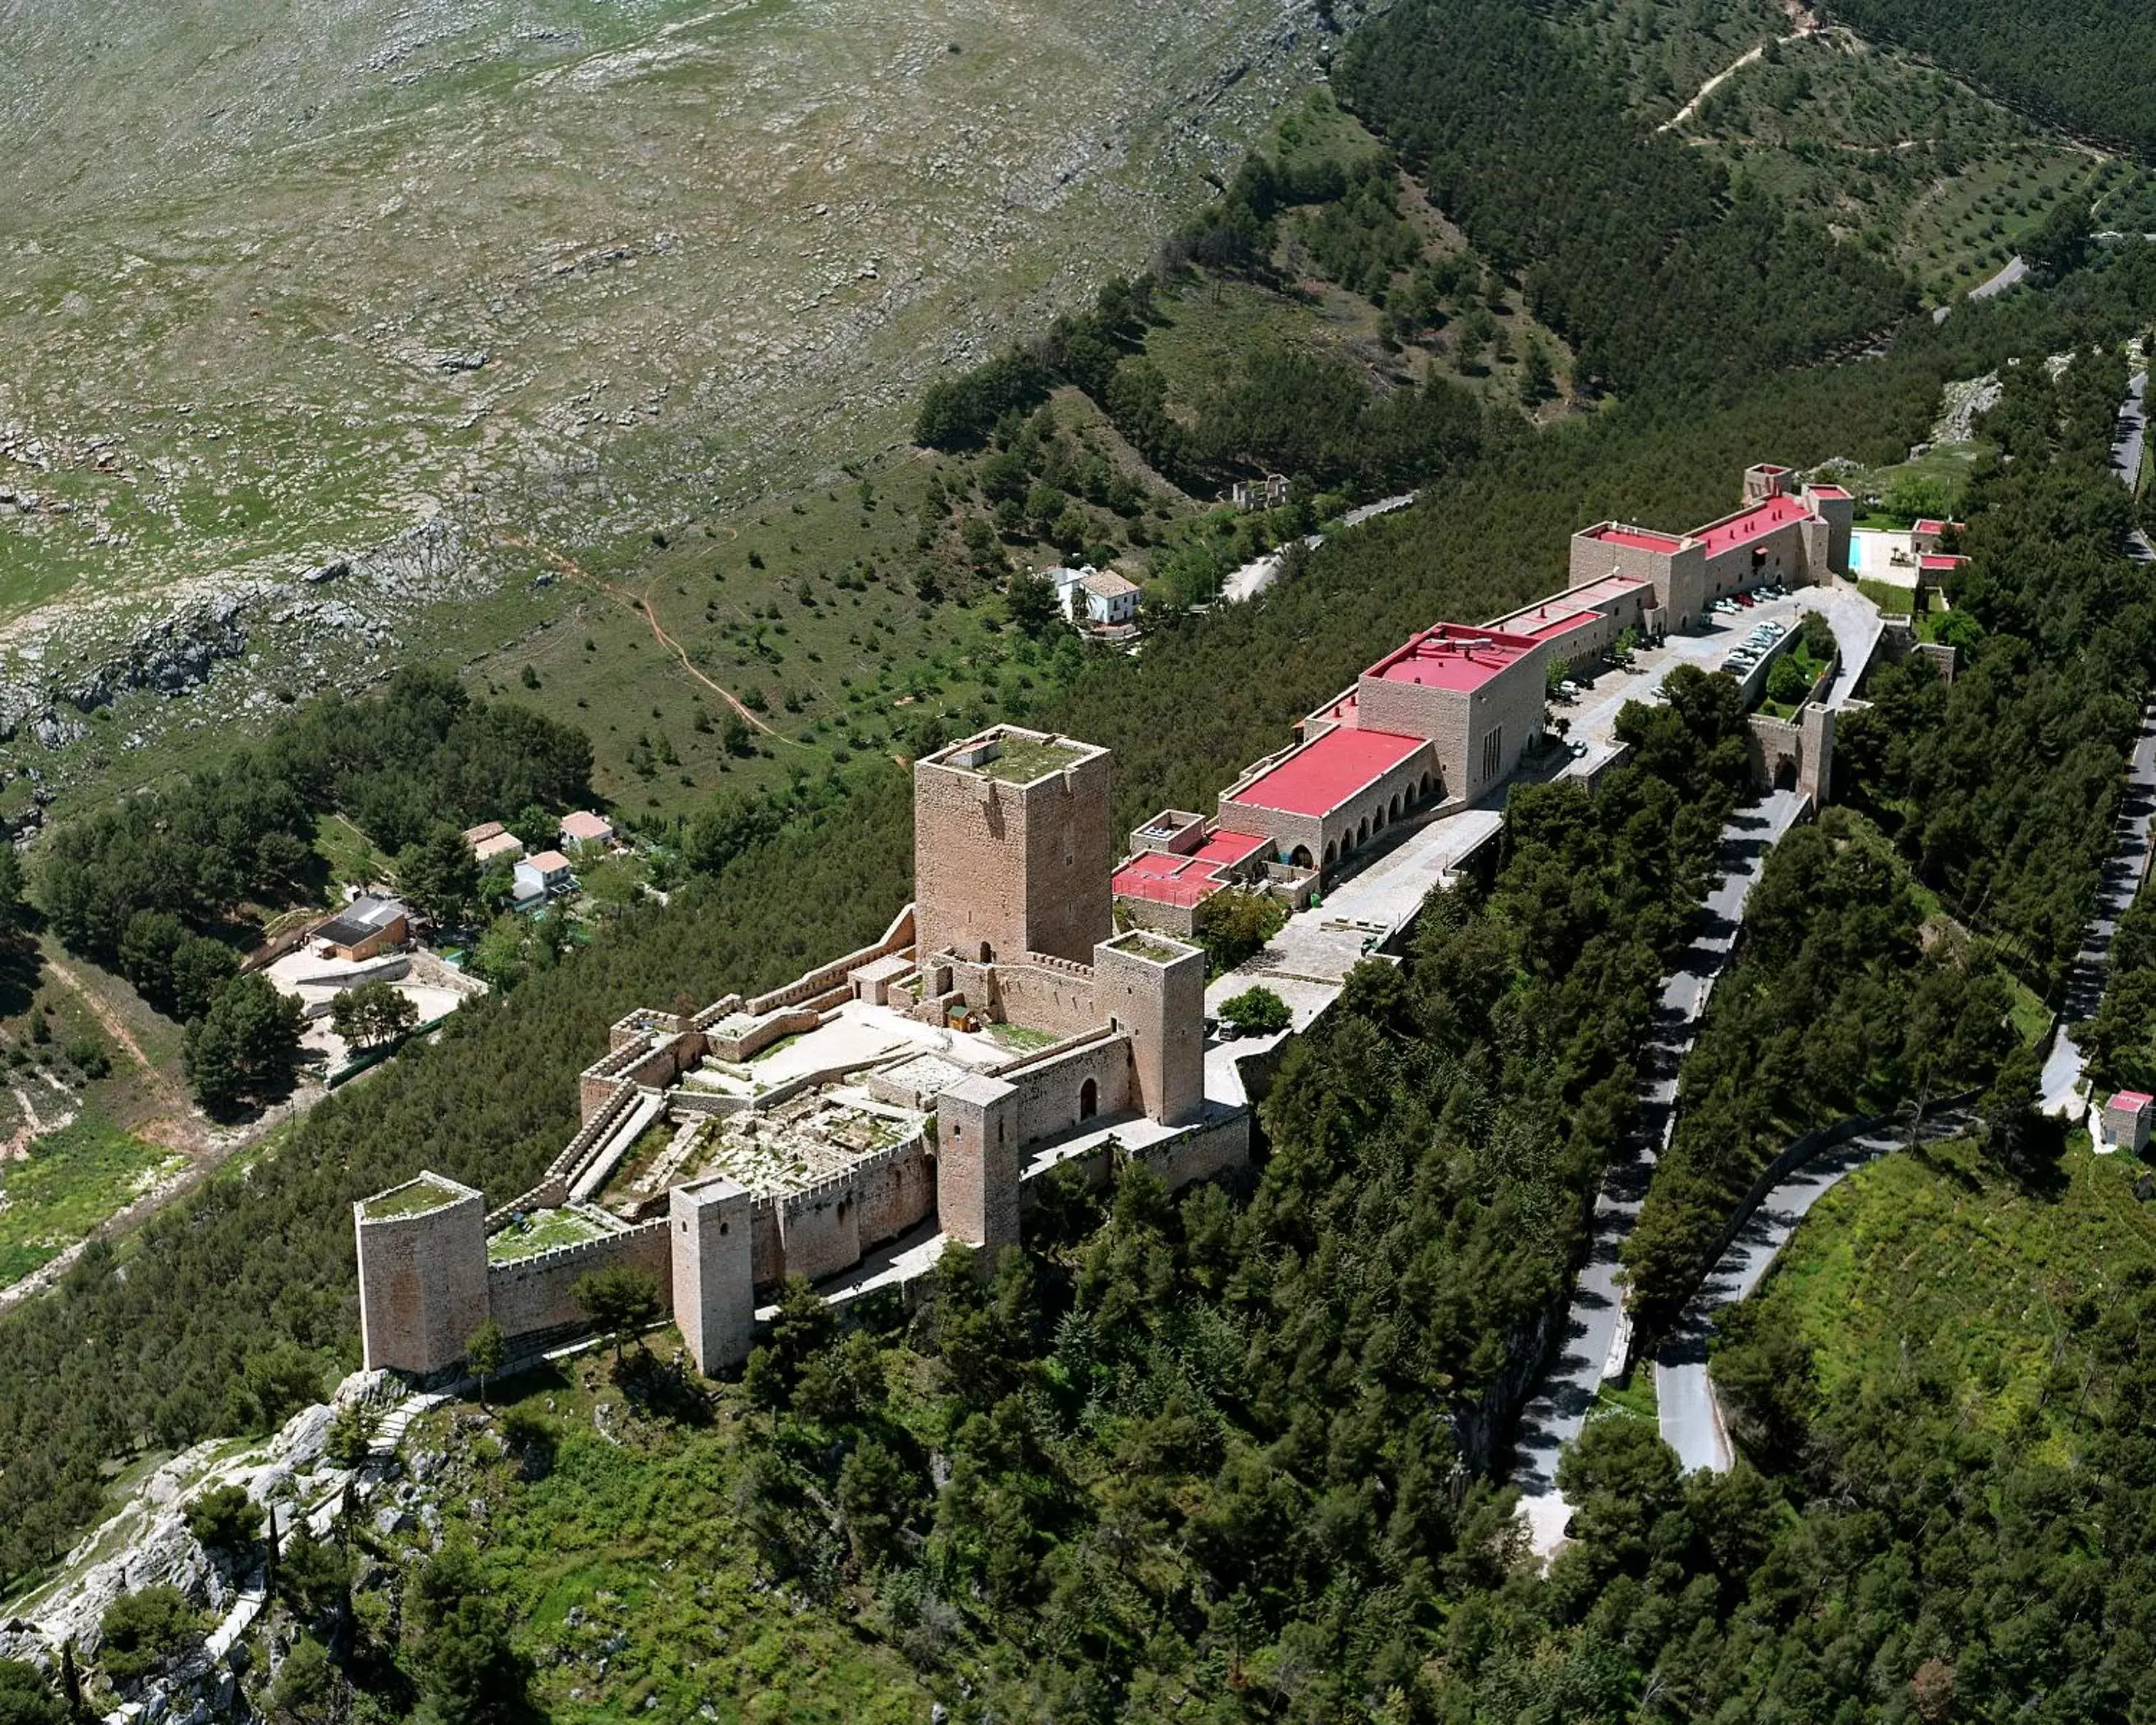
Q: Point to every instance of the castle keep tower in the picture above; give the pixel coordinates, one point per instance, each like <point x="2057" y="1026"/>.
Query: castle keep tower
<point x="422" y="1287"/>
<point x="1011" y="850"/>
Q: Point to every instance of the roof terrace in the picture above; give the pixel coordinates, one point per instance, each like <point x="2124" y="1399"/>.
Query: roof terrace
<point x="1756" y="522"/>
<point x="1450" y="656"/>
<point x="1013" y="756"/>
<point x="414" y="1198"/>
<point x="1633" y="538"/>
<point x="1320" y="775"/>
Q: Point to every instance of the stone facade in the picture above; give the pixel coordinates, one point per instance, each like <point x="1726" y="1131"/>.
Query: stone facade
<point x="1155" y="993"/>
<point x="714" y="1297"/>
<point x="2125" y="1122"/>
<point x="1689" y="571"/>
<point x="1003" y="869"/>
<point x="423" y="1282"/>
<point x="976" y="1163"/>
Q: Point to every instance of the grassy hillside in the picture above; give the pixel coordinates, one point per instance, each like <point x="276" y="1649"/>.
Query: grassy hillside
<point x="1940" y="1262"/>
<point x="1885" y="147"/>
<point x="280" y="285"/>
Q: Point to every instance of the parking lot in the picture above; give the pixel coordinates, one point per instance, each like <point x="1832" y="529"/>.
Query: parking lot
<point x="1593" y="712"/>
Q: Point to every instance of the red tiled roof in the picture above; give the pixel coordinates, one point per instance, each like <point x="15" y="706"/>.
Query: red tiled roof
<point x="1755" y="522"/>
<point x="2136" y="1099"/>
<point x="1230" y="850"/>
<point x="1829" y="491"/>
<point x="1319" y="776"/>
<point x="1940" y="560"/>
<point x="1162" y="879"/>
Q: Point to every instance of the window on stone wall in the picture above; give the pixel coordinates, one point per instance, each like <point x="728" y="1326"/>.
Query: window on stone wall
<point x="1493" y="753"/>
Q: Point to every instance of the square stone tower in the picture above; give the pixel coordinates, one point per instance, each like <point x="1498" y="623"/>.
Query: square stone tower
<point x="1012" y="851"/>
<point x="714" y="1274"/>
<point x="977" y="1164"/>
<point x="421" y="1273"/>
<point x="1153" y="988"/>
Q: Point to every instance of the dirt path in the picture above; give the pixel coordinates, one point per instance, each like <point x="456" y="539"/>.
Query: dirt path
<point x="1806" y="26"/>
<point x="173" y="1122"/>
<point x="636" y="602"/>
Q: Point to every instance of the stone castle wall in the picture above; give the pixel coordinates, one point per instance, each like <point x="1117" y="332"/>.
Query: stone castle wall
<point x="422" y="1287"/>
<point x="533" y="1294"/>
<point x="1055" y="997"/>
<point x="1051" y="1095"/>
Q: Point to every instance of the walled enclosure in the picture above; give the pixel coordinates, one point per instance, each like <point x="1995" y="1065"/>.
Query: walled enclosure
<point x="530" y="1299"/>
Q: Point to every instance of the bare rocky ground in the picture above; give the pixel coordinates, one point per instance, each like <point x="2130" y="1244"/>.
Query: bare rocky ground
<point x="314" y="314"/>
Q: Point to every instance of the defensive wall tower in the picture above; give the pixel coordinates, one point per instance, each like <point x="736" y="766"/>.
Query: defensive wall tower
<point x="422" y="1287"/>
<point x="714" y="1272"/>
<point x="1152" y="989"/>
<point x="977" y="1164"/>
<point x="1012" y="849"/>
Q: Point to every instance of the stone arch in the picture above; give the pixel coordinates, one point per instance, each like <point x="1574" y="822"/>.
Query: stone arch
<point x="1363" y="830"/>
<point x="1089" y="1099"/>
<point x="1299" y="858"/>
<point x="1426" y="787"/>
<point x="1392" y="808"/>
<point x="1331" y="851"/>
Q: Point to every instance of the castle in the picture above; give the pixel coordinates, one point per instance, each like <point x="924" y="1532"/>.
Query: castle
<point x="999" y="1027"/>
<point x="908" y="1093"/>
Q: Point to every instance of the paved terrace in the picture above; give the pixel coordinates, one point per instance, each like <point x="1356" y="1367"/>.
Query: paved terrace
<point x="1307" y="962"/>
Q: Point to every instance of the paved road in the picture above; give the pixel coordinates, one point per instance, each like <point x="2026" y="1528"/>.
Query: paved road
<point x="1691" y="1423"/>
<point x="2122" y="878"/>
<point x="1596" y="1332"/>
<point x="2126" y="453"/>
<point x="2016" y="270"/>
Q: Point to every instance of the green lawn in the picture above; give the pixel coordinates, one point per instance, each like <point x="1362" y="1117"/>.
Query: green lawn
<point x="1894" y="601"/>
<point x="71" y="1182"/>
<point x="1940" y="1255"/>
<point x="543" y="1231"/>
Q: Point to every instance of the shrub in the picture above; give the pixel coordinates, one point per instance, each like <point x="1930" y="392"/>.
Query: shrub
<point x="1257" y="1012"/>
<point x="145" y="1634"/>
<point x="225" y="1519"/>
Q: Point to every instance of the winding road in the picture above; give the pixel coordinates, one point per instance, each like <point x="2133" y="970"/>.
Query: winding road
<point x="1690" y="1418"/>
<point x="1596" y="1331"/>
<point x="2126" y="454"/>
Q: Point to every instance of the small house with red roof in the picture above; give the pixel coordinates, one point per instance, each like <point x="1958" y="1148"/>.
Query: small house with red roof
<point x="2125" y="1120"/>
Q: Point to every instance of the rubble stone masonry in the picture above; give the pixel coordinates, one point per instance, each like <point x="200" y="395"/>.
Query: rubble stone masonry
<point x="1002" y="869"/>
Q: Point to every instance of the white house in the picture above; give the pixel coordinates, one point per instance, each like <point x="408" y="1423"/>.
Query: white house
<point x="1097" y="599"/>
<point x="539" y="877"/>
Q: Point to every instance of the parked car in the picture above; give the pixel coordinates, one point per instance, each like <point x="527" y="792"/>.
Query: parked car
<point x="1570" y="691"/>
